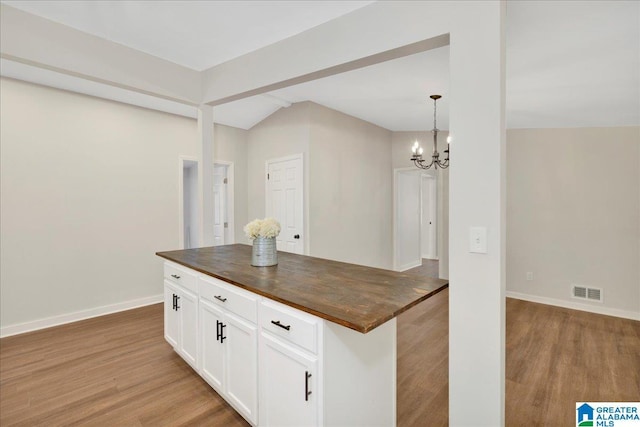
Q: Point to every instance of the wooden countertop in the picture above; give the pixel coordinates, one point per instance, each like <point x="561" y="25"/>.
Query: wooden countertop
<point x="358" y="297"/>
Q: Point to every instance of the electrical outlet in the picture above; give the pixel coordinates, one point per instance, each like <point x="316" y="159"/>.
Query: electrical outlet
<point x="529" y="276"/>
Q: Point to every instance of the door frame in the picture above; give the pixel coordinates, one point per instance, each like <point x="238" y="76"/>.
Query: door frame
<point x="182" y="161"/>
<point x="395" y="234"/>
<point x="230" y="199"/>
<point x="303" y="188"/>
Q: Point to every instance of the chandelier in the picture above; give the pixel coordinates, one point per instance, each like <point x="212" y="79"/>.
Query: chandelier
<point x="435" y="156"/>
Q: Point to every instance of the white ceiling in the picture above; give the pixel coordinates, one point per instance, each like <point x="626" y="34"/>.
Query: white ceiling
<point x="569" y="63"/>
<point x="195" y="34"/>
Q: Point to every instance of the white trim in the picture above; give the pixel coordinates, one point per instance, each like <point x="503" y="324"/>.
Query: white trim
<point x="394" y="219"/>
<point x="62" y="319"/>
<point x="230" y="199"/>
<point x="181" y="163"/>
<point x="408" y="266"/>
<point x="598" y="309"/>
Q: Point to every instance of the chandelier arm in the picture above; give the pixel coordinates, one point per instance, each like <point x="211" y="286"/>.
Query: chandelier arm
<point x="420" y="164"/>
<point x="443" y="165"/>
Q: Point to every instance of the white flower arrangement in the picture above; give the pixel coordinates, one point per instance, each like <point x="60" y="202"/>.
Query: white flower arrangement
<point x="267" y="227"/>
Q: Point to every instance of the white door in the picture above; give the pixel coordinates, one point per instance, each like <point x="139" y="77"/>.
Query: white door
<point x="171" y="315"/>
<point x="188" y="308"/>
<point x="429" y="227"/>
<point x="407" y="220"/>
<point x="287" y="385"/>
<point x="284" y="197"/>
<point x="241" y="365"/>
<point x="211" y="317"/>
<point x="219" y="204"/>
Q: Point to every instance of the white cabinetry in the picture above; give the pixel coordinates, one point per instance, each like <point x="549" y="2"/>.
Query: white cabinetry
<point x="229" y="343"/>
<point x="212" y="350"/>
<point x="289" y="367"/>
<point x="276" y="365"/>
<point x="181" y="312"/>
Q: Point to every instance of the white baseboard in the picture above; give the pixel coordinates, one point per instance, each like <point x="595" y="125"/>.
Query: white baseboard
<point x="626" y="314"/>
<point x="409" y="266"/>
<point x="48" y="322"/>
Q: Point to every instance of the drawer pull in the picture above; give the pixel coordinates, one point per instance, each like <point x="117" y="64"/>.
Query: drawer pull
<point x="277" y="323"/>
<point x="307" y="392"/>
<point x="219" y="298"/>
<point x="175" y="276"/>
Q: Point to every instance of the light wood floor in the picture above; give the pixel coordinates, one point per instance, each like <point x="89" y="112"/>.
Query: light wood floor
<point x="117" y="370"/>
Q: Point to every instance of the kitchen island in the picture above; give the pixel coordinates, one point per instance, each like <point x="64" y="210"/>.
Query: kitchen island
<point x="307" y="342"/>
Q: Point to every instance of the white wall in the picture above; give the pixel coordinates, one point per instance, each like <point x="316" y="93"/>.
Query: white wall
<point x="347" y="180"/>
<point x="476" y="29"/>
<point x="89" y="193"/>
<point x="350" y="189"/>
<point x="284" y="133"/>
<point x="231" y="146"/>
<point x="573" y="214"/>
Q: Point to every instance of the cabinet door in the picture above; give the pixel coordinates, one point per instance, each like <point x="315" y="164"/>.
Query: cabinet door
<point x="211" y="360"/>
<point x="188" y="308"/>
<point x="171" y="316"/>
<point x="241" y="365"/>
<point x="288" y="379"/>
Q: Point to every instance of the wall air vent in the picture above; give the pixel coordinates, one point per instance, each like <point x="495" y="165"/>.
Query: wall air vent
<point x="594" y="294"/>
<point x="582" y="292"/>
<point x="579" y="292"/>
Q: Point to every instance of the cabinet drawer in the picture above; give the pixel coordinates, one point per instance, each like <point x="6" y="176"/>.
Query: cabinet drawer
<point x="181" y="276"/>
<point x="287" y="322"/>
<point x="237" y="301"/>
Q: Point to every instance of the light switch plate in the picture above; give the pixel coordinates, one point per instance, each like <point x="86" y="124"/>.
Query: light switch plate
<point x="478" y="240"/>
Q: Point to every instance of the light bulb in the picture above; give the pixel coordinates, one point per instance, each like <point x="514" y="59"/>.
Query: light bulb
<point x="449" y="139"/>
<point x="420" y="151"/>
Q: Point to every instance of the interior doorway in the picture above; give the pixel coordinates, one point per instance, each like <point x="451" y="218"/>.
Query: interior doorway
<point x="223" y="224"/>
<point x="415" y="222"/>
<point x="285" y="201"/>
<point x="189" y="218"/>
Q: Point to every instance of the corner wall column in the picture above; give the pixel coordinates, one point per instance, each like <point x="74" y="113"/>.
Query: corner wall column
<point x="477" y="199"/>
<point x="205" y="173"/>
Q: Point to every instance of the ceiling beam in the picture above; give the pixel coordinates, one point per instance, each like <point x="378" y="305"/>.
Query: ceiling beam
<point x="391" y="54"/>
<point x="36" y="41"/>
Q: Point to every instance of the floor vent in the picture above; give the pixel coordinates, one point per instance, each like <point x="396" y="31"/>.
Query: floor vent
<point x="592" y="294"/>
